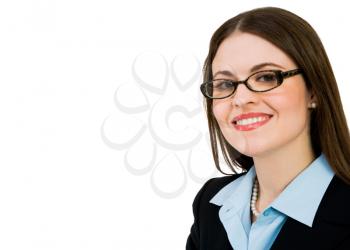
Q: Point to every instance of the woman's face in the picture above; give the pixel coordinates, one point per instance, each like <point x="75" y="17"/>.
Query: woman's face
<point x="282" y="114"/>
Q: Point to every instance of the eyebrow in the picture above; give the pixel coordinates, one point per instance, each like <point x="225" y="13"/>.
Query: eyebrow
<point x="253" y="69"/>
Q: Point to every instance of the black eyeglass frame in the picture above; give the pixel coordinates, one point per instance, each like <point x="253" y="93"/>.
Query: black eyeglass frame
<point x="280" y="75"/>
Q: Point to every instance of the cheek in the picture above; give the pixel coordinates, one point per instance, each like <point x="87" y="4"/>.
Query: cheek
<point x="292" y="105"/>
<point x="221" y="110"/>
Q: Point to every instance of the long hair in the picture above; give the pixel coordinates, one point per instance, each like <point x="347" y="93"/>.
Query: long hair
<point x="293" y="35"/>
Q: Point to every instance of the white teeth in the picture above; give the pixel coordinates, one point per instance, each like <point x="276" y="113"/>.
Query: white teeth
<point x="251" y="120"/>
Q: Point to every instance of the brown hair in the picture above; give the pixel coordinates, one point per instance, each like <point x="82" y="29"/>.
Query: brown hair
<point x="293" y="35"/>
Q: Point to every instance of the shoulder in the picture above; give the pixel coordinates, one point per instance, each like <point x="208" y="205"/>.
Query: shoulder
<point x="335" y="204"/>
<point x="212" y="187"/>
<point x="207" y="232"/>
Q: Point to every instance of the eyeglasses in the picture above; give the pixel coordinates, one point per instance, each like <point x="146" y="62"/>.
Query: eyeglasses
<point x="261" y="81"/>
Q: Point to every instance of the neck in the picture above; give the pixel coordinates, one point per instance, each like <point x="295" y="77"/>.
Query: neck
<point x="275" y="171"/>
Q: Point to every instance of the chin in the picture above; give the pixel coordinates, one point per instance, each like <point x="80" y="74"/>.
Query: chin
<point x="252" y="150"/>
<point x="250" y="154"/>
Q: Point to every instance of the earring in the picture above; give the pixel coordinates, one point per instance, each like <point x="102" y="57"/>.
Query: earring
<point x="313" y="105"/>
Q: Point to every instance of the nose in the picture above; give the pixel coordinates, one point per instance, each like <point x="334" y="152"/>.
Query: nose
<point x="243" y="96"/>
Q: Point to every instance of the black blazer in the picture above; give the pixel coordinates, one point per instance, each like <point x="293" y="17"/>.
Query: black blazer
<point x="330" y="229"/>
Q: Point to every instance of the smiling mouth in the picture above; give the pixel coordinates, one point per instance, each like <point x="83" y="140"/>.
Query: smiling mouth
<point x="251" y="123"/>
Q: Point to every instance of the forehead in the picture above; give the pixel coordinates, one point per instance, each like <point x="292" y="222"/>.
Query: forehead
<point x="240" y="51"/>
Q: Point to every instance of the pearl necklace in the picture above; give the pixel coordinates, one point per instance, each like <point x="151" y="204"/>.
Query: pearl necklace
<point x="254" y="198"/>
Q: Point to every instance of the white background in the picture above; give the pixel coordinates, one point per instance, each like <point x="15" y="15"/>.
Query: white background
<point x="62" y="186"/>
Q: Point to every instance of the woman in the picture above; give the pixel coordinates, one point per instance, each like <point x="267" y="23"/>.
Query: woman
<point x="274" y="109"/>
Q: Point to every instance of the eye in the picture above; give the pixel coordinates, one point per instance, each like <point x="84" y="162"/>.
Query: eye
<point x="265" y="77"/>
<point x="223" y="84"/>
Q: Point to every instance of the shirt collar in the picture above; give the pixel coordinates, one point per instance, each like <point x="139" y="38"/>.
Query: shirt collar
<point x="237" y="193"/>
<point x="302" y="197"/>
<point x="299" y="200"/>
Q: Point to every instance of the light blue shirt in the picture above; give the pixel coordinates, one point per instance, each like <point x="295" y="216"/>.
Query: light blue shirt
<point x="299" y="200"/>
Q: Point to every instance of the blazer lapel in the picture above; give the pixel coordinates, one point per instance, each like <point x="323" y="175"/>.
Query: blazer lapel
<point x="331" y="224"/>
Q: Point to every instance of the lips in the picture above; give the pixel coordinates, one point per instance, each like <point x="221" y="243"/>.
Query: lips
<point x="250" y="121"/>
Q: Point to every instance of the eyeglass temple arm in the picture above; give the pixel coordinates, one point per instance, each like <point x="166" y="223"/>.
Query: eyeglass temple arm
<point x="291" y="73"/>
